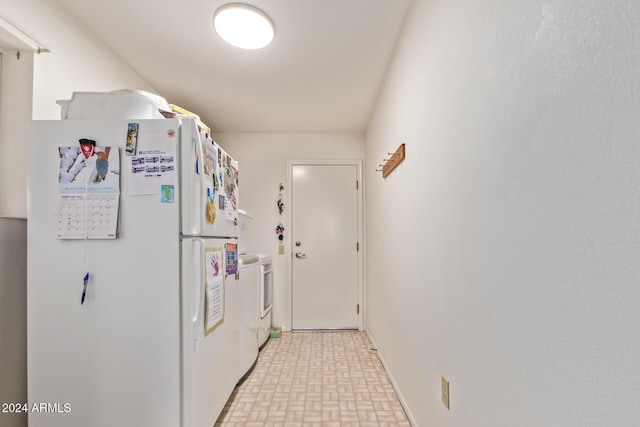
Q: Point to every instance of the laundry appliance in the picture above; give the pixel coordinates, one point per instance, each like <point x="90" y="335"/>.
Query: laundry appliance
<point x="248" y="299"/>
<point x="265" y="301"/>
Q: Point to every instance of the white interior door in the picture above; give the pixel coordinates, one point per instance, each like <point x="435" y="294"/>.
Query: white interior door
<point x="324" y="246"/>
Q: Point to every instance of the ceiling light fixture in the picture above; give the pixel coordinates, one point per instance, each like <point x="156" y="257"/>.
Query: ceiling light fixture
<point x="243" y="26"/>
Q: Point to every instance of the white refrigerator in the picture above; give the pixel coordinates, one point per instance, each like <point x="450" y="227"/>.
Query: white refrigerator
<point x="133" y="323"/>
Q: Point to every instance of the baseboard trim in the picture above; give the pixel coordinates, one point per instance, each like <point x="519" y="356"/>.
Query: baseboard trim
<point x="403" y="402"/>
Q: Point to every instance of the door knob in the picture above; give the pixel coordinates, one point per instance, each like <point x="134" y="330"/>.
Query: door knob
<point x="300" y="255"/>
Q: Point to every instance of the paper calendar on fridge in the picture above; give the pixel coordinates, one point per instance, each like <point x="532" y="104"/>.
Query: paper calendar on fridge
<point x="89" y="191"/>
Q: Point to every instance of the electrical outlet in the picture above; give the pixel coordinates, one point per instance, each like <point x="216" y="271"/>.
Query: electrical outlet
<point x="281" y="249"/>
<point x="445" y="392"/>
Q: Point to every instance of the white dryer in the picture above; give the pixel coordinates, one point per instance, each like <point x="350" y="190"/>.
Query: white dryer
<point x="265" y="298"/>
<point x="248" y="270"/>
<point x="249" y="281"/>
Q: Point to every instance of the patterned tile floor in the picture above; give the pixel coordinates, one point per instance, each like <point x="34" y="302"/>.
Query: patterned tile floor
<point x="322" y="379"/>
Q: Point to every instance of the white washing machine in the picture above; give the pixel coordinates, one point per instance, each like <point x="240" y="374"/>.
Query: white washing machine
<point x="248" y="270"/>
<point x="265" y="298"/>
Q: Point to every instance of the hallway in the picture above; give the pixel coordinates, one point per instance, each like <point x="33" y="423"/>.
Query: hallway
<point x="315" y="379"/>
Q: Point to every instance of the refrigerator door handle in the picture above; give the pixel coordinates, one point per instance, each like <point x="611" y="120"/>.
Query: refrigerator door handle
<point x="199" y="218"/>
<point x="198" y="290"/>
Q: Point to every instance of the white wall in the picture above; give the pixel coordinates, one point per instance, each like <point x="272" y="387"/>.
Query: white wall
<point x="263" y="166"/>
<point x="504" y="252"/>
<point x="78" y="61"/>
<point x="16" y="95"/>
<point x="13" y="318"/>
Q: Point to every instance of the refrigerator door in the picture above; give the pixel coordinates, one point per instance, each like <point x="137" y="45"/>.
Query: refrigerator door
<point x="115" y="359"/>
<point x="210" y="185"/>
<point x="210" y="298"/>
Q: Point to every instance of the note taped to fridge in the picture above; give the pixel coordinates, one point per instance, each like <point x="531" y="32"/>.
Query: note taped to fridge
<point x="214" y="289"/>
<point x="89" y="192"/>
<point x="153" y="166"/>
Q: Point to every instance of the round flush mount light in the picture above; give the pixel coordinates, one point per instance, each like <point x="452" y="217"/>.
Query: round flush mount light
<point x="243" y="26"/>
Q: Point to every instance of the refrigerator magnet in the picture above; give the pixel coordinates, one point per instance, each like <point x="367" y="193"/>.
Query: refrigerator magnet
<point x="210" y="209"/>
<point x="167" y="194"/>
<point x="87" y="146"/>
<point x="231" y="264"/>
<point x="132" y="139"/>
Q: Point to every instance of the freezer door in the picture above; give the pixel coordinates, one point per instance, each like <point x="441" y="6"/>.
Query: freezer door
<point x="210" y="185"/>
<point x="211" y="348"/>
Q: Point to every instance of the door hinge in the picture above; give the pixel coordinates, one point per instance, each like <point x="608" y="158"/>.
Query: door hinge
<point x="357" y="185"/>
<point x="358" y="309"/>
<point x="357" y="246"/>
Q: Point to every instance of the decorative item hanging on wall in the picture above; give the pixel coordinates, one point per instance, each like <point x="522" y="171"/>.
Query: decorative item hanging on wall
<point x="279" y="202"/>
<point x="280" y="231"/>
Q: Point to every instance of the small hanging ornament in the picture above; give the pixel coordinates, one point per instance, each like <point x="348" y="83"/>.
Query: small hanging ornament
<point x="280" y="204"/>
<point x="280" y="231"/>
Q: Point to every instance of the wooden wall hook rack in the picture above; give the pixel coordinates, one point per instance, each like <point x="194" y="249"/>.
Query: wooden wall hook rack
<point x="390" y="164"/>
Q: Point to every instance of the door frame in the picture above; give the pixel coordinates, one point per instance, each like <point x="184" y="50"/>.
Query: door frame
<point x="289" y="235"/>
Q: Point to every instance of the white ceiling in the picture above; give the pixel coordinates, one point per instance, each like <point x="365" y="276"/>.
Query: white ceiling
<point x="321" y="73"/>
